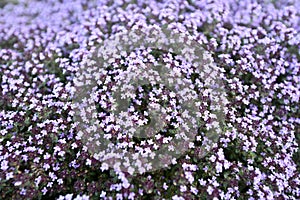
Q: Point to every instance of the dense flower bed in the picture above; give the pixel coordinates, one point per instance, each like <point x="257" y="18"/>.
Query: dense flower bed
<point x="255" y="46"/>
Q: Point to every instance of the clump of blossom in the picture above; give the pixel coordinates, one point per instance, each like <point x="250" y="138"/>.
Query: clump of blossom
<point x="43" y="46"/>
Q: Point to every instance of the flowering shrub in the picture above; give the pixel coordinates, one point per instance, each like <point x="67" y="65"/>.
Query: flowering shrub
<point x="83" y="117"/>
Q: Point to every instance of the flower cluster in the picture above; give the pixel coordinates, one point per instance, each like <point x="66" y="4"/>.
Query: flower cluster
<point x="46" y="146"/>
<point x="146" y="97"/>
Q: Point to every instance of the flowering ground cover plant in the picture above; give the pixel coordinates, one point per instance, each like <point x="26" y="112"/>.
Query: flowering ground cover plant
<point x="132" y="99"/>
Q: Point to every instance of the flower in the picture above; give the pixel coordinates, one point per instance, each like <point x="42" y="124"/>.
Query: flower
<point x="46" y="46"/>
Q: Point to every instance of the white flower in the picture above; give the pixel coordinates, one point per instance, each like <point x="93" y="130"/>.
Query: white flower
<point x="213" y="158"/>
<point x="177" y="198"/>
<point x="104" y="166"/>
<point x="209" y="190"/>
<point x="68" y="197"/>
<point x="103" y="194"/>
<point x="88" y="162"/>
<point x="18" y="183"/>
